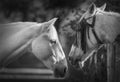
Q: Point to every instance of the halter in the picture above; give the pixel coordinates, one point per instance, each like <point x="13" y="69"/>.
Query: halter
<point x="85" y="27"/>
<point x="81" y="33"/>
<point x="93" y="28"/>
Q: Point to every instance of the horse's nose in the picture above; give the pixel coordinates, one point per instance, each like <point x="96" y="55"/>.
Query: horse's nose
<point x="71" y="59"/>
<point x="74" y="61"/>
<point x="60" y="71"/>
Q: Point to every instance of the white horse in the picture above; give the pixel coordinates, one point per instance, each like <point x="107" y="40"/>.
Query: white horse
<point x="102" y="27"/>
<point x="41" y="39"/>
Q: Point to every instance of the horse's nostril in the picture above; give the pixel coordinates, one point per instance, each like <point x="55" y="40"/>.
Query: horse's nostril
<point x="69" y="58"/>
<point x="65" y="69"/>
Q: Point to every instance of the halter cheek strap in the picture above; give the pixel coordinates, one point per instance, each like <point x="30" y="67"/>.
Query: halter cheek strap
<point x="93" y="29"/>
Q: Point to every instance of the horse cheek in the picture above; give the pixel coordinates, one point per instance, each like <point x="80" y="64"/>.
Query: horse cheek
<point x="41" y="49"/>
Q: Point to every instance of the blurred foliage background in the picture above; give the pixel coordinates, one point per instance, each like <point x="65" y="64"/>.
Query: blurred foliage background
<point x="43" y="10"/>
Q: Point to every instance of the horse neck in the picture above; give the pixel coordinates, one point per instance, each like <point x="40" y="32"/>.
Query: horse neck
<point x="107" y="26"/>
<point x="15" y="27"/>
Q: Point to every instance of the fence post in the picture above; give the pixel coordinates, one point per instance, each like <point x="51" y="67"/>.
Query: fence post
<point x="110" y="62"/>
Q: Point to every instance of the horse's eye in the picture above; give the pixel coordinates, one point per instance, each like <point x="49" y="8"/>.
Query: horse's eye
<point x="53" y="41"/>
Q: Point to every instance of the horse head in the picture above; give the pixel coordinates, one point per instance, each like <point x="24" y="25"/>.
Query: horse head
<point x="39" y="39"/>
<point x="54" y="58"/>
<point x="91" y="11"/>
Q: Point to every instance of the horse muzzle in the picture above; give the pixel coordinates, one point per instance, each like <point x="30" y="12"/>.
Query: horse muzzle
<point x="60" y="72"/>
<point x="74" y="61"/>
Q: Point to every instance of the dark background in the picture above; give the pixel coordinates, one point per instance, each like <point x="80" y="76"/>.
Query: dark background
<point x="42" y="10"/>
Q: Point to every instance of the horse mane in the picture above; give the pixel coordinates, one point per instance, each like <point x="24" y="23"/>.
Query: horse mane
<point x="109" y="13"/>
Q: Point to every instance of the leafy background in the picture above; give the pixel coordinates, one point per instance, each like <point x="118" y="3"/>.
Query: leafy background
<point x="42" y="10"/>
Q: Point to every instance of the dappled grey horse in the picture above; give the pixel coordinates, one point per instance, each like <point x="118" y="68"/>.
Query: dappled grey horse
<point x="40" y="39"/>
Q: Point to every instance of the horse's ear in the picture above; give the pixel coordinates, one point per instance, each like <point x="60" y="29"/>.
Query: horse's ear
<point x="52" y="21"/>
<point x="46" y="25"/>
<point x="92" y="9"/>
<point x="103" y="7"/>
